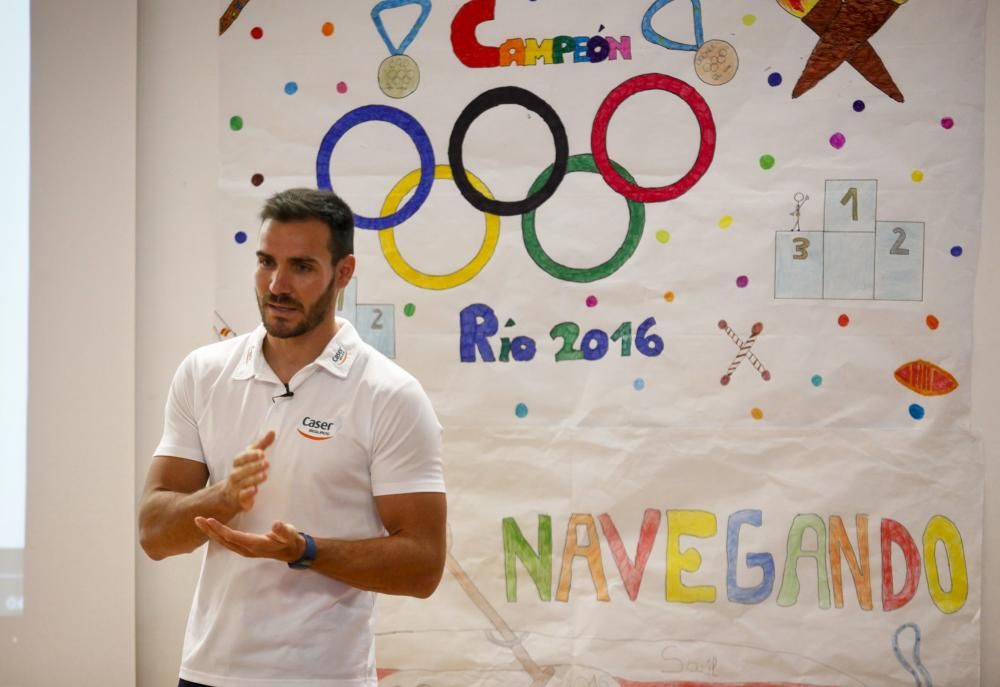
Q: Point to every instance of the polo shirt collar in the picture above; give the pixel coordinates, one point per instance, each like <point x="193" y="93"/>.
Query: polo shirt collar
<point x="342" y="351"/>
<point x="337" y="358"/>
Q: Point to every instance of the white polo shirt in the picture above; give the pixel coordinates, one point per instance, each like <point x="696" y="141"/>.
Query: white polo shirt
<point x="357" y="426"/>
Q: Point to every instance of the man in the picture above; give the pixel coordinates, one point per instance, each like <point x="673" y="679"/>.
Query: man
<point x="296" y="422"/>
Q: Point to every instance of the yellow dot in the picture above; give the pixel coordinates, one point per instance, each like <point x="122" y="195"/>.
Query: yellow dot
<point x="757" y="414"/>
<point x="726" y="222"/>
<point x="663" y="236"/>
<point x="669" y="296"/>
<point x="917" y="176"/>
<point x="328" y="29"/>
<point x="749" y="19"/>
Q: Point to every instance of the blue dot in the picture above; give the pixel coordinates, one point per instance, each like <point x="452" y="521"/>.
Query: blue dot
<point x="817" y="380"/>
<point x="241" y="237"/>
<point x="859" y="105"/>
<point x="956" y="251"/>
<point x="917" y="411"/>
<point x="639" y="384"/>
<point x="774" y="79"/>
<point x="291" y="87"/>
<point x="521" y="410"/>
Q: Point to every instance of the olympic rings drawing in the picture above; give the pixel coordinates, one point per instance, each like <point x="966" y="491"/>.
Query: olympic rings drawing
<point x="476" y="193"/>
<point x="400" y="266"/>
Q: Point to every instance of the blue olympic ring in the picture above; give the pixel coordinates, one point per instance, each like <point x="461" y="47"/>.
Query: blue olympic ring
<point x="411" y="127"/>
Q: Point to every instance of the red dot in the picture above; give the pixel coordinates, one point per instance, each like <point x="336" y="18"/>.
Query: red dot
<point x="257" y="33"/>
<point x="341" y="87"/>
<point x="843" y="320"/>
<point x="933" y="322"/>
<point x="257" y="179"/>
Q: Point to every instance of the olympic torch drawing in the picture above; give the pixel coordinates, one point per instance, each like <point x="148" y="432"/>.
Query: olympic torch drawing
<point x="844" y="27"/>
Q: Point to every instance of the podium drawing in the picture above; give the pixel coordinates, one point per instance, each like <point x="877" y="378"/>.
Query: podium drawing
<point x="856" y="256"/>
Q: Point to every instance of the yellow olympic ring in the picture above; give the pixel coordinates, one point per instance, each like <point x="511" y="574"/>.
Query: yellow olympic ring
<point x="387" y="237"/>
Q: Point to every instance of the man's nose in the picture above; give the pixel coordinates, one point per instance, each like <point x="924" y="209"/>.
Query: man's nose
<point x="279" y="281"/>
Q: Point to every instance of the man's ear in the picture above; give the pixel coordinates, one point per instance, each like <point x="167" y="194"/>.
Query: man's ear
<point x="344" y="270"/>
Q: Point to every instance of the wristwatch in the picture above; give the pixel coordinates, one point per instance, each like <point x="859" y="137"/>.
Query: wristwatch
<point x="308" y="556"/>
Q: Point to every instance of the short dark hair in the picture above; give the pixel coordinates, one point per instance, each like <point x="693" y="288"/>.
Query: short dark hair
<point x="306" y="203"/>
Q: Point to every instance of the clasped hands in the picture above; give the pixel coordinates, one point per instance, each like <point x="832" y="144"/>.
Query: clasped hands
<point x="249" y="471"/>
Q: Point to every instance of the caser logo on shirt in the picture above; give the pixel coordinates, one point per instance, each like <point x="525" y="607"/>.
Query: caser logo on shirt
<point x="317" y="430"/>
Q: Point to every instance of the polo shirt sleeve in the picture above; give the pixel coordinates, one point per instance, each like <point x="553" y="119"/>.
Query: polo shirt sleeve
<point x="180" y="428"/>
<point x="406" y="453"/>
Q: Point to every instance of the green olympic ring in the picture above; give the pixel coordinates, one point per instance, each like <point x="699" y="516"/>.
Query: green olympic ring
<point x="636" y="221"/>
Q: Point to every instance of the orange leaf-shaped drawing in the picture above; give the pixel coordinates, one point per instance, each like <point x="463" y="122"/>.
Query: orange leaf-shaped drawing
<point x="925" y="378"/>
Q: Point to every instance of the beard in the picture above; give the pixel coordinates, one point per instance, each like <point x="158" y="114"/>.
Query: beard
<point x="313" y="316"/>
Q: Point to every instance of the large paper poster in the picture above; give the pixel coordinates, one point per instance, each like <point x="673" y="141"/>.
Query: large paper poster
<point x="690" y="284"/>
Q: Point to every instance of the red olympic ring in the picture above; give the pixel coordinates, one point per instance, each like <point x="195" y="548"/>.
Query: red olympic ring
<point x="599" y="137"/>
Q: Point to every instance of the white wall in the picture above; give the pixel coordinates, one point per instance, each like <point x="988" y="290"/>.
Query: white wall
<point x="985" y="361"/>
<point x="177" y="171"/>
<point x="77" y="627"/>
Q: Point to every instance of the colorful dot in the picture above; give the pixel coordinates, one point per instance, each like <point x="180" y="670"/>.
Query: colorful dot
<point x="327" y="28"/>
<point x="663" y="236"/>
<point x="917" y="176"/>
<point x="236" y="123"/>
<point x="956" y="251"/>
<point x="757" y="414"/>
<point x="774" y="79"/>
<point x="240" y="237"/>
<point x="766" y="161"/>
<point x="947" y="122"/>
<point x="521" y="410"/>
<point x="859" y="105"/>
<point x="726" y="222"/>
<point x="917" y="411"/>
<point x="669" y="296"/>
<point x="742" y="281"/>
<point x="749" y="19"/>
<point x="409" y="309"/>
<point x="639" y="384"/>
<point x="933" y="322"/>
<point x="341" y="87"/>
<point x="816" y="380"/>
<point x="591" y="301"/>
<point x="843" y="320"/>
<point x="257" y="179"/>
<point x="257" y="33"/>
<point x="291" y="87"/>
<point x="838" y="140"/>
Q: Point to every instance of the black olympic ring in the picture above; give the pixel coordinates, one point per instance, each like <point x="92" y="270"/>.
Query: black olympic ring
<point x="507" y="95"/>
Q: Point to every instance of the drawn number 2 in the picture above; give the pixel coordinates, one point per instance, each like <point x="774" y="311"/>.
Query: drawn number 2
<point x="897" y="247"/>
<point x="801" y="248"/>
<point x="377" y="324"/>
<point x="851" y="196"/>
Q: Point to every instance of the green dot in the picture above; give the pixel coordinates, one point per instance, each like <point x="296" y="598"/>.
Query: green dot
<point x="663" y="236"/>
<point x="766" y="161"/>
<point x="409" y="309"/>
<point x="236" y="123"/>
<point x="749" y="19"/>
